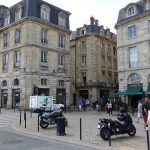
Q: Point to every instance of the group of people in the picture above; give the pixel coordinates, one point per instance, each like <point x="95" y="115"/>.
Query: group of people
<point x="84" y="104"/>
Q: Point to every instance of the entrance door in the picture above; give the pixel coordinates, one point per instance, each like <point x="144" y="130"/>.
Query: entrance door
<point x="16" y="98"/>
<point x="104" y="94"/>
<point x="135" y="99"/>
<point x="4" y="98"/>
<point x="61" y="96"/>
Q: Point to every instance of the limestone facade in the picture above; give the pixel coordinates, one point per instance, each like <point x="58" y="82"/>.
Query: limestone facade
<point x="32" y="66"/>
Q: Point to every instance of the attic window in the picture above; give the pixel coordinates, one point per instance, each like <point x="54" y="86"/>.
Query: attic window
<point x="131" y="11"/>
<point x="83" y="32"/>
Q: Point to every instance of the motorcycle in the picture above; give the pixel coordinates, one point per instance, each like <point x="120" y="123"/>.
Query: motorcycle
<point x="109" y="127"/>
<point x="47" y="119"/>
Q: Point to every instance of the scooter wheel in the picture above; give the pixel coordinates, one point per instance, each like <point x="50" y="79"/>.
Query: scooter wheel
<point x="104" y="133"/>
<point x="132" y="131"/>
<point x="43" y="124"/>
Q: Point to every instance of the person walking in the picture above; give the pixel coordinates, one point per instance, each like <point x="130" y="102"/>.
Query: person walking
<point x="80" y="105"/>
<point x="109" y="106"/>
<point x="145" y="111"/>
<point x="139" y="111"/>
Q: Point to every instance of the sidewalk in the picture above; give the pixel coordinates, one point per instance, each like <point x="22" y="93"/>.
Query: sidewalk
<point x="90" y="133"/>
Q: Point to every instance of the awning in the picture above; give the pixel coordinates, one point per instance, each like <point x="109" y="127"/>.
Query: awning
<point x="148" y="89"/>
<point x="134" y="89"/>
<point x="120" y="93"/>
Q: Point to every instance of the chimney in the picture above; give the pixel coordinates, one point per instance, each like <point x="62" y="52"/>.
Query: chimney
<point x="92" y="20"/>
<point x="96" y="22"/>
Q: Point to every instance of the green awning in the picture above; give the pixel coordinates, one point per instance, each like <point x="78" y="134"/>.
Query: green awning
<point x="134" y="89"/>
<point x="148" y="89"/>
<point x="120" y="92"/>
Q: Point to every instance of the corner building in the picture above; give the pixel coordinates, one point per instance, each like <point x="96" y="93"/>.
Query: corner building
<point x="34" y="50"/>
<point x="133" y="48"/>
<point x="94" y="61"/>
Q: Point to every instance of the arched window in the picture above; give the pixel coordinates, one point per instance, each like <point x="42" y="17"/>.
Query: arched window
<point x="131" y="11"/>
<point x="45" y="12"/>
<point x="18" y="13"/>
<point x="4" y="83"/>
<point x="16" y="82"/>
<point x="62" y="19"/>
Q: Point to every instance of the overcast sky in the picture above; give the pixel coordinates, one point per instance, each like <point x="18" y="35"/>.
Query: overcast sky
<point x="106" y="11"/>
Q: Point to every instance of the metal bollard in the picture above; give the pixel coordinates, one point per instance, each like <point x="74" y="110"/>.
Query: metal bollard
<point x="109" y="134"/>
<point x="20" y="117"/>
<point x="38" y="122"/>
<point x="80" y="129"/>
<point x="147" y="133"/>
<point x="0" y="110"/>
<point x="25" y="119"/>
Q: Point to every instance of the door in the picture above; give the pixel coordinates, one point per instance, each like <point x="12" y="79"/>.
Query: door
<point x="4" y="98"/>
<point x="16" y="98"/>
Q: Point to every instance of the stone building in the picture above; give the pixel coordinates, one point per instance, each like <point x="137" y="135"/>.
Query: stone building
<point x="133" y="49"/>
<point x="94" y="61"/>
<point x="34" y="50"/>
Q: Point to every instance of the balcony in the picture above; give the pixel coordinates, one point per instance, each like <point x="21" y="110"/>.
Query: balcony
<point x="97" y="84"/>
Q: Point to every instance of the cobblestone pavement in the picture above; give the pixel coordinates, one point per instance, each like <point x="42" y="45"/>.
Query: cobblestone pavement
<point x="90" y="133"/>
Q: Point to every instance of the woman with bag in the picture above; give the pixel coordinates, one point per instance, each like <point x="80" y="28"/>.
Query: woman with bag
<point x="145" y="111"/>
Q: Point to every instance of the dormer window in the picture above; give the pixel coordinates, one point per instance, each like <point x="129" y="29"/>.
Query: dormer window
<point x="62" y="19"/>
<point x="131" y="11"/>
<point x="147" y="5"/>
<point x="6" y="19"/>
<point x="18" y="13"/>
<point x="45" y="13"/>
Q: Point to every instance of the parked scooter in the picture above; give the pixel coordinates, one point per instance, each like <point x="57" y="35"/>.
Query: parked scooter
<point x="123" y="126"/>
<point x="47" y="119"/>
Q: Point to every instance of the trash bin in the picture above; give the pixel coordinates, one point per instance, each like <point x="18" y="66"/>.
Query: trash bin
<point x="60" y="126"/>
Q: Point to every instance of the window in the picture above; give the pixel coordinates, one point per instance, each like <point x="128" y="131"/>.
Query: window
<point x="108" y="48"/>
<point x="44" y="37"/>
<point x="83" y="76"/>
<point x="131" y="11"/>
<point x="132" y="31"/>
<point x="62" y="19"/>
<point x="43" y="81"/>
<point x="103" y="61"/>
<point x="4" y="83"/>
<point x="6" y="19"/>
<point x="5" y="61"/>
<point x="109" y="63"/>
<point x="61" y="83"/>
<point x="45" y="13"/>
<point x="149" y="25"/>
<point x="147" y="5"/>
<point x="16" y="82"/>
<point x="61" y="41"/>
<point x="83" y="45"/>
<point x="133" y="57"/>
<point x="5" y="39"/>
<point x="61" y="61"/>
<point x="17" y="59"/>
<point x="83" y="60"/>
<point x="103" y="47"/>
<point x="18" y="13"/>
<point x="114" y="51"/>
<point x="17" y="36"/>
<point x="44" y="56"/>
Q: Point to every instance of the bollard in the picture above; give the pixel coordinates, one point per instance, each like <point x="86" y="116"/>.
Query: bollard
<point x="38" y="122"/>
<point x="80" y="129"/>
<point x="20" y="117"/>
<point x="0" y="110"/>
<point x="109" y="134"/>
<point x="147" y="133"/>
<point x="25" y="119"/>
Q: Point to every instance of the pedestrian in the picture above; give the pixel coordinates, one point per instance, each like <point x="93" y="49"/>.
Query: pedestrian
<point x="94" y="105"/>
<point x="109" y="106"/>
<point x="87" y="104"/>
<point x="145" y="111"/>
<point x="80" y="105"/>
<point x="84" y="104"/>
<point x="139" y="111"/>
